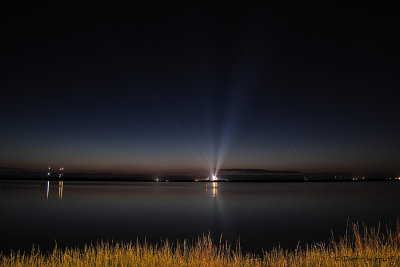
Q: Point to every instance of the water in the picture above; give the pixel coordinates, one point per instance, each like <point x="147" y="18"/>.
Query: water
<point x="261" y="215"/>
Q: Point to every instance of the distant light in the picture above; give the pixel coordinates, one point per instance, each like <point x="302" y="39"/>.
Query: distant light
<point x="48" y="174"/>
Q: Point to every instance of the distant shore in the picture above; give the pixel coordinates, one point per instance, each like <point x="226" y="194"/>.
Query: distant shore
<point x="190" y="179"/>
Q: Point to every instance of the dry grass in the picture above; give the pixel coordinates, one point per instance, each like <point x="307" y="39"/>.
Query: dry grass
<point x="361" y="246"/>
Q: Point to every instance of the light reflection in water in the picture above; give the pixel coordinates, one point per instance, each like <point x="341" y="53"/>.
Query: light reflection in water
<point x="60" y="189"/>
<point x="47" y="193"/>
<point x="213" y="189"/>
<point x="214" y="186"/>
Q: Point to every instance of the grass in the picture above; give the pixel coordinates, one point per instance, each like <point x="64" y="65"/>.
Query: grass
<point x="360" y="246"/>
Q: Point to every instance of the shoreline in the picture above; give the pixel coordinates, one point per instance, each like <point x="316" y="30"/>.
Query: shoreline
<point x="189" y="180"/>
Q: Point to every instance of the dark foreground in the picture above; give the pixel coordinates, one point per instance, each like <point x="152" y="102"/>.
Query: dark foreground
<point x="363" y="247"/>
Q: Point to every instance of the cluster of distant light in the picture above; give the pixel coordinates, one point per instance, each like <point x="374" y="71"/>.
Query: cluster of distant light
<point x="210" y="179"/>
<point x="60" y="174"/>
<point x="363" y="178"/>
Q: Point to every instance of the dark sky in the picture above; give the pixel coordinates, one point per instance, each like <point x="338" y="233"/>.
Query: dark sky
<point x="128" y="89"/>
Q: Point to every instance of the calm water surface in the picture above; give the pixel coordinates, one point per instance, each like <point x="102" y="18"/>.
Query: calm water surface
<point x="260" y="214"/>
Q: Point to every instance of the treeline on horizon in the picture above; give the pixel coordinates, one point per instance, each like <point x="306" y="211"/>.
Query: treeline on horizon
<point x="234" y="175"/>
<point x="231" y="178"/>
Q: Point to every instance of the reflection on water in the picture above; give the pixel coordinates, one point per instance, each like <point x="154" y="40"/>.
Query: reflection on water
<point x="262" y="215"/>
<point x="47" y="191"/>
<point x="212" y="188"/>
<point x="60" y="189"/>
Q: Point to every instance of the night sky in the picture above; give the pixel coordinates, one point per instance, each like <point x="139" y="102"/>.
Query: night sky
<point x="126" y="89"/>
